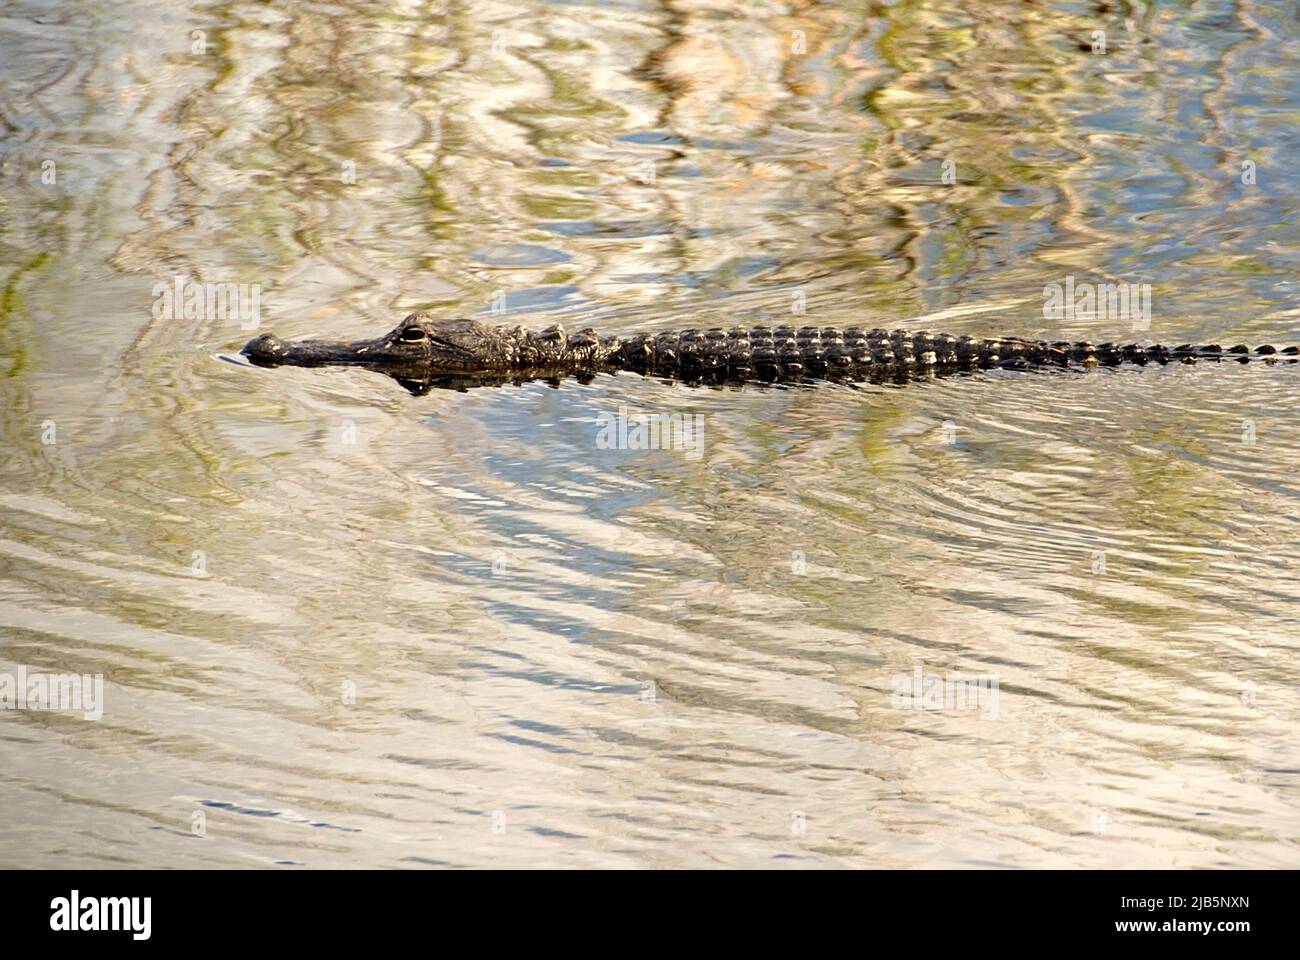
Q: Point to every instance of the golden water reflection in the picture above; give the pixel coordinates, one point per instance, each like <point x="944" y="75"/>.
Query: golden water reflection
<point x="351" y="627"/>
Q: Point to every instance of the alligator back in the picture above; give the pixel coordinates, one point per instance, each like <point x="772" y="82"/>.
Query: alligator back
<point x="787" y="353"/>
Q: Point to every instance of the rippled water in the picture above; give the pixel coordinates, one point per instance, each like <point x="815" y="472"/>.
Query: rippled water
<point x="339" y="625"/>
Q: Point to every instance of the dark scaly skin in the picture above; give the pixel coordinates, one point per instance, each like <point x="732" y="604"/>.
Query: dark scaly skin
<point x="423" y="352"/>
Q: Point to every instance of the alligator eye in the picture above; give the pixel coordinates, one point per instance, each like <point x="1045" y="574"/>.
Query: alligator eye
<point x="413" y="335"/>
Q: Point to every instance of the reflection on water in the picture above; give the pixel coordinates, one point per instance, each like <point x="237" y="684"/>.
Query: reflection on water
<point x="340" y="625"/>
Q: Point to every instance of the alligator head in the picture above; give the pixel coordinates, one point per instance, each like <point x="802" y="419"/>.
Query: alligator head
<point x="420" y="352"/>
<point x="436" y="346"/>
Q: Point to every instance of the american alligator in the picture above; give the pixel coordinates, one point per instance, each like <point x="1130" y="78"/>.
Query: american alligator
<point x="423" y="352"/>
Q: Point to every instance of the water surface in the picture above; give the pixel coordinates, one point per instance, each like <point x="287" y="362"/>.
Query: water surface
<point x="341" y="626"/>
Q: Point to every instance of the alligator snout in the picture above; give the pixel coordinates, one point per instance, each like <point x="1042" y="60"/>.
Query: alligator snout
<point x="266" y="348"/>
